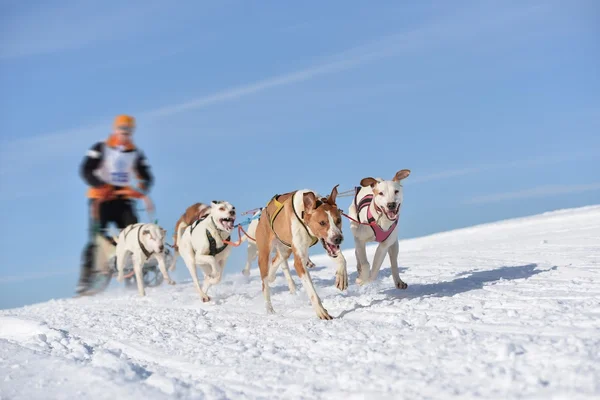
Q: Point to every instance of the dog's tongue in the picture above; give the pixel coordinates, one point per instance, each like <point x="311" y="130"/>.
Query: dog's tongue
<point x="332" y="248"/>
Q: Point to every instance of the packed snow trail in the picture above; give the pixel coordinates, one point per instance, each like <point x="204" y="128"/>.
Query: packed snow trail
<point x="504" y="310"/>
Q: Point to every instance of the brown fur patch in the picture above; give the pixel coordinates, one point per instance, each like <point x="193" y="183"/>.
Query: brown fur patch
<point x="191" y="214"/>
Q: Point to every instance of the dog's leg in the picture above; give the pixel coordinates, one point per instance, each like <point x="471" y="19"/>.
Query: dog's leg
<point x="188" y="259"/>
<point x="393" y="253"/>
<point x="138" y="265"/>
<point x="299" y="263"/>
<point x="209" y="281"/>
<point x="121" y="258"/>
<point x="163" y="268"/>
<point x="341" y="275"/>
<point x="252" y="253"/>
<point x="380" y="254"/>
<point x="286" y="271"/>
<point x="211" y="262"/>
<point x="274" y="266"/>
<point x="362" y="263"/>
<point x="264" y="252"/>
<point x="174" y="262"/>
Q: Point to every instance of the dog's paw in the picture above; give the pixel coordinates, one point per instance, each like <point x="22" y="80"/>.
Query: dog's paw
<point x="246" y="272"/>
<point x="362" y="281"/>
<point x="171" y="282"/>
<point x="205" y="299"/>
<point x="120" y="278"/>
<point x="310" y="264"/>
<point x="401" y="285"/>
<point x="323" y="314"/>
<point x="341" y="280"/>
<point x="270" y="310"/>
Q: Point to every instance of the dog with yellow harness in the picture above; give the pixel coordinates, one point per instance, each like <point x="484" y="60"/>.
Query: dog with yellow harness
<point x="292" y="223"/>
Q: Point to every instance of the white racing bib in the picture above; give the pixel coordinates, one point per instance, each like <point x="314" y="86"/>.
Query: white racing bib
<point x="118" y="166"/>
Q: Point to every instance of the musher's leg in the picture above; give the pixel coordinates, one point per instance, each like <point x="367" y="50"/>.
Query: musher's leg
<point x="124" y="213"/>
<point x="87" y="259"/>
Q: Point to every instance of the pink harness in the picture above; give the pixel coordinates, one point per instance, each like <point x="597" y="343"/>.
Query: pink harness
<point x="380" y="234"/>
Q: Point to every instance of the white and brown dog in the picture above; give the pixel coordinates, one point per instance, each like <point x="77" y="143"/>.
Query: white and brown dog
<point x="377" y="204"/>
<point x="192" y="214"/>
<point x="253" y="252"/>
<point x="202" y="243"/>
<point x="292" y="223"/>
<point x="141" y="241"/>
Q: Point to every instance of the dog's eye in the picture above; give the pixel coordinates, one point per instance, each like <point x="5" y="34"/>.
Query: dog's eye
<point x="322" y="223"/>
<point x="339" y="221"/>
<point x="222" y="208"/>
<point x="397" y="191"/>
<point x="381" y="193"/>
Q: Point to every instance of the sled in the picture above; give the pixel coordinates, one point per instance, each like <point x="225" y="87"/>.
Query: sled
<point x="105" y="266"/>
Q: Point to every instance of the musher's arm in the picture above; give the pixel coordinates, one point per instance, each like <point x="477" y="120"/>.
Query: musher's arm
<point x="90" y="163"/>
<point x="143" y="170"/>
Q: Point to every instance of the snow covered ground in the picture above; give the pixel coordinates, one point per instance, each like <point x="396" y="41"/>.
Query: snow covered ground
<point x="504" y="310"/>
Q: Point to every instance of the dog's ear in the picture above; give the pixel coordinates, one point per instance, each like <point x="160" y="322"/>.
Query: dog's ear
<point x="310" y="200"/>
<point x="163" y="231"/>
<point x="215" y="202"/>
<point x="368" y="182"/>
<point x="333" y="196"/>
<point x="402" y="174"/>
<point x="145" y="232"/>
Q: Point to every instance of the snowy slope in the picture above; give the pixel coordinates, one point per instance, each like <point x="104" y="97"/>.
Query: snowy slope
<point x="505" y="310"/>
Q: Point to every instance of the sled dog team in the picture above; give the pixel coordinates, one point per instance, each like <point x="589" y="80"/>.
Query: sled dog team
<point x="289" y="224"/>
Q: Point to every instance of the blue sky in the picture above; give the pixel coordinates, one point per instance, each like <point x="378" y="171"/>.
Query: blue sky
<point x="494" y="107"/>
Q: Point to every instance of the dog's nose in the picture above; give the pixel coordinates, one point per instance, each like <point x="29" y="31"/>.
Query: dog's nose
<point x="338" y="240"/>
<point x="392" y="206"/>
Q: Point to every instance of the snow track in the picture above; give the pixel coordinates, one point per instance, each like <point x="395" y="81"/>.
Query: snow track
<point x="504" y="310"/>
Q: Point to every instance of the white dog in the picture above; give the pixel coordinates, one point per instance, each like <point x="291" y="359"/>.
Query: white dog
<point x="377" y="202"/>
<point x="142" y="241"/>
<point x="202" y="243"/>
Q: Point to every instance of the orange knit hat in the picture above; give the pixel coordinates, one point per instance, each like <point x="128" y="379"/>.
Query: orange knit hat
<point x="124" y="120"/>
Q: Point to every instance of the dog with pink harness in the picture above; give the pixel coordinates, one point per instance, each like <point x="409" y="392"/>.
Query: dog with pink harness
<point x="374" y="214"/>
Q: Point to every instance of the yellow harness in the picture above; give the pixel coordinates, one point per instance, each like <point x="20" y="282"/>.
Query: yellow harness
<point x="279" y="207"/>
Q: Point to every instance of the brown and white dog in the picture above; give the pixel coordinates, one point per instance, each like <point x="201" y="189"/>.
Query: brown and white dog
<point x="192" y="214"/>
<point x="377" y="202"/>
<point x="203" y="243"/>
<point x="253" y="252"/>
<point x="292" y="223"/>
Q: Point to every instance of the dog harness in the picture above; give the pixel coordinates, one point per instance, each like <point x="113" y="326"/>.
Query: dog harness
<point x="213" y="250"/>
<point x="279" y="206"/>
<point x="380" y="234"/>
<point x="142" y="247"/>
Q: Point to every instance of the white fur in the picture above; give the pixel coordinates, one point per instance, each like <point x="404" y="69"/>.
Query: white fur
<point x="152" y="237"/>
<point x="194" y="247"/>
<point x="364" y="234"/>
